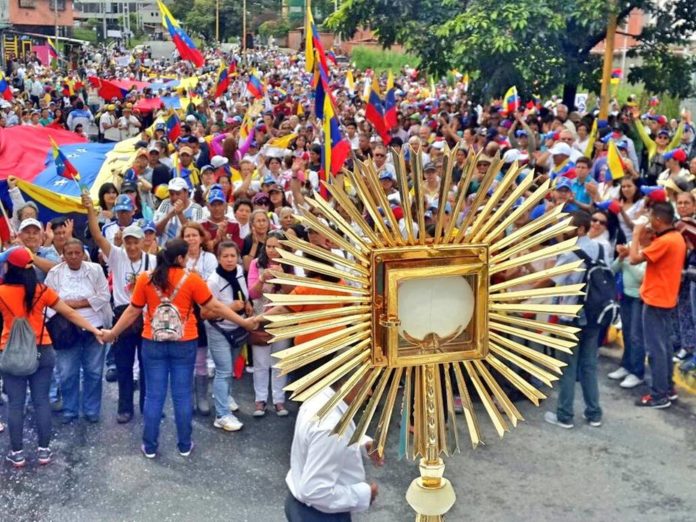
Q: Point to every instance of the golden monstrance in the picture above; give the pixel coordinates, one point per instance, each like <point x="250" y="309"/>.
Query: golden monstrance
<point x="420" y="318"/>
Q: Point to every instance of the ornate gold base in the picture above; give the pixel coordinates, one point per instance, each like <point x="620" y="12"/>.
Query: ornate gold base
<point x="431" y="495"/>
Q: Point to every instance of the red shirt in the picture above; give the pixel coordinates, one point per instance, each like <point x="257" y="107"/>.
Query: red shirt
<point x="232" y="232"/>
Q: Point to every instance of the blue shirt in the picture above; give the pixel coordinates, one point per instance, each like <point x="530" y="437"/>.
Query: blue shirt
<point x="580" y="191"/>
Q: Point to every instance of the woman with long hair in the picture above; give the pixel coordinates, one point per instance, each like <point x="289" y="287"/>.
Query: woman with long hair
<point x="225" y="339"/>
<point x="107" y="199"/>
<point x="259" y="286"/>
<point x="21" y="295"/>
<point x="631" y="205"/>
<point x="203" y="263"/>
<point x="171" y="360"/>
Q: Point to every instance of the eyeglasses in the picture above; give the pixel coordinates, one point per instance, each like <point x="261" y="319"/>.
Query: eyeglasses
<point x="600" y="221"/>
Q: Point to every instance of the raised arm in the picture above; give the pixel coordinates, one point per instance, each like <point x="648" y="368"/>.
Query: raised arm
<point x="93" y="225"/>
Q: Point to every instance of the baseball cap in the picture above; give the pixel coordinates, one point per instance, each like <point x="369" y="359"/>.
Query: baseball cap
<point x="561" y="148"/>
<point x="185" y="150"/>
<point x="177" y="184"/>
<point x="133" y="231"/>
<point x="275" y="188"/>
<point x="216" y="195"/>
<point x="153" y="148"/>
<point x="219" y="161"/>
<point x="268" y="180"/>
<point x="387" y="174"/>
<point x="521" y="133"/>
<point x="128" y="186"/>
<point x="205" y="168"/>
<point x="160" y="126"/>
<point x="17" y="256"/>
<point x="123" y="204"/>
<point x="150" y="226"/>
<point x="30" y="222"/>
<point x="657" y="194"/>
<point x="429" y="166"/>
<point x="260" y="198"/>
<point x="677" y="154"/>
<point x="190" y="118"/>
<point x="563" y="183"/>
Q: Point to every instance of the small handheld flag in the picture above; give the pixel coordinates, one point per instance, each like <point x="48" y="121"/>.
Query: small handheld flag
<point x="614" y="163"/>
<point x="511" y="100"/>
<point x="5" y="90"/>
<point x="255" y="87"/>
<point x="52" y="50"/>
<point x="173" y="126"/>
<point x="64" y="167"/>
<point x="187" y="49"/>
<point x="223" y="80"/>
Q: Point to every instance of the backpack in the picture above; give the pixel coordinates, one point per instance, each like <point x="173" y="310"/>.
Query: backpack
<point x="21" y="356"/>
<point x="166" y="321"/>
<point x="599" y="303"/>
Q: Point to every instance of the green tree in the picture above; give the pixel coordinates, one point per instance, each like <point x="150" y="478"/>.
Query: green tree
<point x="538" y="45"/>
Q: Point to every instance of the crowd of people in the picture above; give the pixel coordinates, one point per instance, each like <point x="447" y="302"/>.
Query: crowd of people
<point x="221" y="204"/>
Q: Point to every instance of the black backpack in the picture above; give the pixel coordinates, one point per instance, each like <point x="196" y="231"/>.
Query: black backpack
<point x="599" y="302"/>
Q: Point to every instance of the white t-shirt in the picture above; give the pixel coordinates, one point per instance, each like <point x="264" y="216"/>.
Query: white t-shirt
<point x="204" y="266"/>
<point x="124" y="272"/>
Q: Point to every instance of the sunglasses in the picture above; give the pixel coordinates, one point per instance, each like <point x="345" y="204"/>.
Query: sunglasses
<point x="600" y="221"/>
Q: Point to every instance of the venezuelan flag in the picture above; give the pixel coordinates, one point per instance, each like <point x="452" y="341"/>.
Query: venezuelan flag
<point x="64" y="168"/>
<point x="390" y="117"/>
<point x="173" y="125"/>
<point x="52" y="50"/>
<point x="374" y="112"/>
<point x="255" y="87"/>
<point x="5" y="90"/>
<point x="336" y="147"/>
<point x="614" y="163"/>
<point x="511" y="100"/>
<point x="187" y="49"/>
<point x="223" y="81"/>
<point x="331" y="56"/>
<point x="313" y="43"/>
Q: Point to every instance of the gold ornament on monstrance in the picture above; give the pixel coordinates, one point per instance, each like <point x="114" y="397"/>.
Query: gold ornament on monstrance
<point x="419" y="315"/>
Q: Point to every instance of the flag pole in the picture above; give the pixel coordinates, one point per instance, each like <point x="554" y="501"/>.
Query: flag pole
<point x="608" y="61"/>
<point x="9" y="223"/>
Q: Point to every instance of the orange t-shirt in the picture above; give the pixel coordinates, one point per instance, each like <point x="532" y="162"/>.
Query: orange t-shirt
<point x="12" y="305"/>
<point x="665" y="255"/>
<point x="304" y="290"/>
<point x="194" y="290"/>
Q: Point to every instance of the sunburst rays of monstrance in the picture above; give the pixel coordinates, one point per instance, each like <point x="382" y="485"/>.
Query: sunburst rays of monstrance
<point x="399" y="338"/>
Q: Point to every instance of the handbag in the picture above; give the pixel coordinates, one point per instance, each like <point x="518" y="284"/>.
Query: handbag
<point x="236" y="338"/>
<point x="259" y="337"/>
<point x="64" y="334"/>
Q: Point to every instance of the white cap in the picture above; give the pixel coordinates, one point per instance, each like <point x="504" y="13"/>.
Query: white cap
<point x="219" y="161"/>
<point x="177" y="184"/>
<point x="511" y="156"/>
<point x="133" y="231"/>
<point x="190" y="117"/>
<point x="561" y="148"/>
<point x="30" y="222"/>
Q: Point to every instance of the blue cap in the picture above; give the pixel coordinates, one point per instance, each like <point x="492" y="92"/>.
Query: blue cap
<point x="149" y="227"/>
<point x="268" y="180"/>
<point x="520" y="133"/>
<point x="123" y="204"/>
<point x="563" y="183"/>
<point x="387" y="174"/>
<point x="216" y="195"/>
<point x="207" y="167"/>
<point x="160" y="126"/>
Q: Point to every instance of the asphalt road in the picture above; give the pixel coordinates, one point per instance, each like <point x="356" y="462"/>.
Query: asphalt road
<point x="639" y="465"/>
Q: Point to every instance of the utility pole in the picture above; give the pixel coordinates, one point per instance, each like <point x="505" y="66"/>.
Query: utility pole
<point x="217" y="21"/>
<point x="608" y="60"/>
<point x="244" y="26"/>
<point x="55" y="12"/>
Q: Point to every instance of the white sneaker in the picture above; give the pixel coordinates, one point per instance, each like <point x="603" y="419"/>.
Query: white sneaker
<point x="631" y="381"/>
<point x="232" y="404"/>
<point x="552" y="418"/>
<point x="228" y="423"/>
<point x="680" y="355"/>
<point x="249" y="369"/>
<point x="619" y="374"/>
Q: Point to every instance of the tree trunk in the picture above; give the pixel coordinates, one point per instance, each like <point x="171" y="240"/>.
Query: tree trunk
<point x="569" y="92"/>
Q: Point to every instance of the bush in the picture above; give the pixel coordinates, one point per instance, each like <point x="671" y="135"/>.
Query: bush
<point x="275" y="28"/>
<point x="381" y="59"/>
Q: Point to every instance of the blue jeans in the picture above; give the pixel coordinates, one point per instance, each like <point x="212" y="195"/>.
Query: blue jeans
<point x="657" y="325"/>
<point x="162" y="360"/>
<point x="633" y="358"/>
<point x="87" y="355"/>
<point x="223" y="355"/>
<point x="582" y="366"/>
